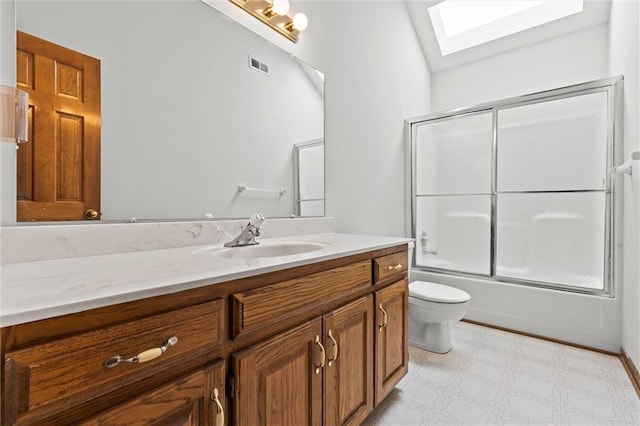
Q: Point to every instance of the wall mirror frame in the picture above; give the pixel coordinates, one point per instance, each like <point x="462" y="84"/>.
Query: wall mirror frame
<point x="194" y="106"/>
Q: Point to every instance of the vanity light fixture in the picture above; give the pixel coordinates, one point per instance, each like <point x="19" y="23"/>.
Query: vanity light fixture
<point x="14" y="115"/>
<point x="274" y="14"/>
<point x="277" y="7"/>
<point x="299" y="22"/>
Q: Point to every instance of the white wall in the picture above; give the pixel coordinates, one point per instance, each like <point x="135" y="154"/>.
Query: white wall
<point x="376" y="77"/>
<point x="623" y="59"/>
<point x="565" y="60"/>
<point x="561" y="61"/>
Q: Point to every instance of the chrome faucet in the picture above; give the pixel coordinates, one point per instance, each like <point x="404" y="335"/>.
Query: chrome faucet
<point x="247" y="236"/>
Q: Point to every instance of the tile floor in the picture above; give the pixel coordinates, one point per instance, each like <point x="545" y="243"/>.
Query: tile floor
<point x="492" y="377"/>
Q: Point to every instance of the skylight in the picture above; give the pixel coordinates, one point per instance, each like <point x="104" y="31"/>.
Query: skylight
<point x="461" y="16"/>
<point x="461" y="24"/>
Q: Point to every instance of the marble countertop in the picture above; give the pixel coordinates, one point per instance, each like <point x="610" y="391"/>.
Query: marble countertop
<point x="33" y="291"/>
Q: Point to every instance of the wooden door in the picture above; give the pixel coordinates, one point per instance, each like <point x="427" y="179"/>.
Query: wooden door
<point x="348" y="389"/>
<point x="277" y="382"/>
<point x="391" y="342"/>
<point x="189" y="401"/>
<point x="58" y="171"/>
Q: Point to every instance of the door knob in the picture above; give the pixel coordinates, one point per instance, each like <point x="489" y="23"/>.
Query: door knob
<point x="91" y="214"/>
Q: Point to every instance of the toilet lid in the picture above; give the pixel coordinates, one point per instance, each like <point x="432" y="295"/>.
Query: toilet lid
<point x="433" y="292"/>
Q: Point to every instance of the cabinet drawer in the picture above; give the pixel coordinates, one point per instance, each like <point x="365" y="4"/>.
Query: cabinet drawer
<point x="68" y="371"/>
<point x="392" y="265"/>
<point x="187" y="398"/>
<point x="263" y="306"/>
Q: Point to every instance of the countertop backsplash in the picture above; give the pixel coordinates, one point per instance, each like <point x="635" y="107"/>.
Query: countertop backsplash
<point x="31" y="243"/>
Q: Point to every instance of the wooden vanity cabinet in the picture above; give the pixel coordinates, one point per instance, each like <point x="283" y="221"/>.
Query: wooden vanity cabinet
<point x="390" y="267"/>
<point x="392" y="337"/>
<point x="318" y="373"/>
<point x="316" y="344"/>
<point x="276" y="382"/>
<point x="348" y="372"/>
<point x="257" y="308"/>
<point x="56" y="382"/>
<point x="195" y="400"/>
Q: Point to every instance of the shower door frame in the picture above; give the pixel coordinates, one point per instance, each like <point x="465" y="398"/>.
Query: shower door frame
<point x="613" y="88"/>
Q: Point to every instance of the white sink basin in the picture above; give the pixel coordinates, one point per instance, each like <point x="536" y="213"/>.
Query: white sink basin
<point x="267" y="249"/>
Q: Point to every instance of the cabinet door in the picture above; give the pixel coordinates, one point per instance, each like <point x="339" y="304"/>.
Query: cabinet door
<point x="197" y="399"/>
<point x="348" y="390"/>
<point x="279" y="381"/>
<point x="391" y="341"/>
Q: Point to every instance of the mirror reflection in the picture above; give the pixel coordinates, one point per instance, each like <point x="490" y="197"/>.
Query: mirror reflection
<point x="194" y="107"/>
<point x="309" y="165"/>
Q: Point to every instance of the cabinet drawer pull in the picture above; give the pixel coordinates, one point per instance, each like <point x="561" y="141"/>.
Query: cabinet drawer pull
<point x="385" y="318"/>
<point x="143" y="356"/>
<point x="322" y="355"/>
<point x="335" y="349"/>
<point x="219" y="410"/>
<point x="396" y="267"/>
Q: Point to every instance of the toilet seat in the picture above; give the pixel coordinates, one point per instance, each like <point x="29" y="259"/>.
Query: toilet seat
<point x="432" y="292"/>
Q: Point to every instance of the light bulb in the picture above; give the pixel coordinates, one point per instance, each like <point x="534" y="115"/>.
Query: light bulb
<point x="280" y="7"/>
<point x="300" y="21"/>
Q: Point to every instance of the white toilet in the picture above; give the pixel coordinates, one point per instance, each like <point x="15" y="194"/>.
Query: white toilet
<point x="432" y="307"/>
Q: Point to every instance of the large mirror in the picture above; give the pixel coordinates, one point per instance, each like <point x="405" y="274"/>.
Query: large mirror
<point x="200" y="118"/>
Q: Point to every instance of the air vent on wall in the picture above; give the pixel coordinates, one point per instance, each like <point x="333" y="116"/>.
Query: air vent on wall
<point x="258" y="66"/>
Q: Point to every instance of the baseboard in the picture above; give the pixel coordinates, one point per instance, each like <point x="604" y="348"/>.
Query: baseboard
<point x="631" y="369"/>
<point x="537" y="336"/>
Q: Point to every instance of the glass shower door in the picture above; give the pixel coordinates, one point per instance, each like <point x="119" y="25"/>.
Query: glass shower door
<point x="520" y="190"/>
<point x="552" y="191"/>
<point x="452" y="188"/>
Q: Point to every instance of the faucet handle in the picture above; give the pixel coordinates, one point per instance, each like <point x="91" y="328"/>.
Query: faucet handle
<point x="256" y="220"/>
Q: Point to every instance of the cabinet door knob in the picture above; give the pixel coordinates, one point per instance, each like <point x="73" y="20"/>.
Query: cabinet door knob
<point x="219" y="410"/>
<point x="143" y="356"/>
<point x="385" y="318"/>
<point x="323" y="355"/>
<point x="395" y="267"/>
<point x="334" y="355"/>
